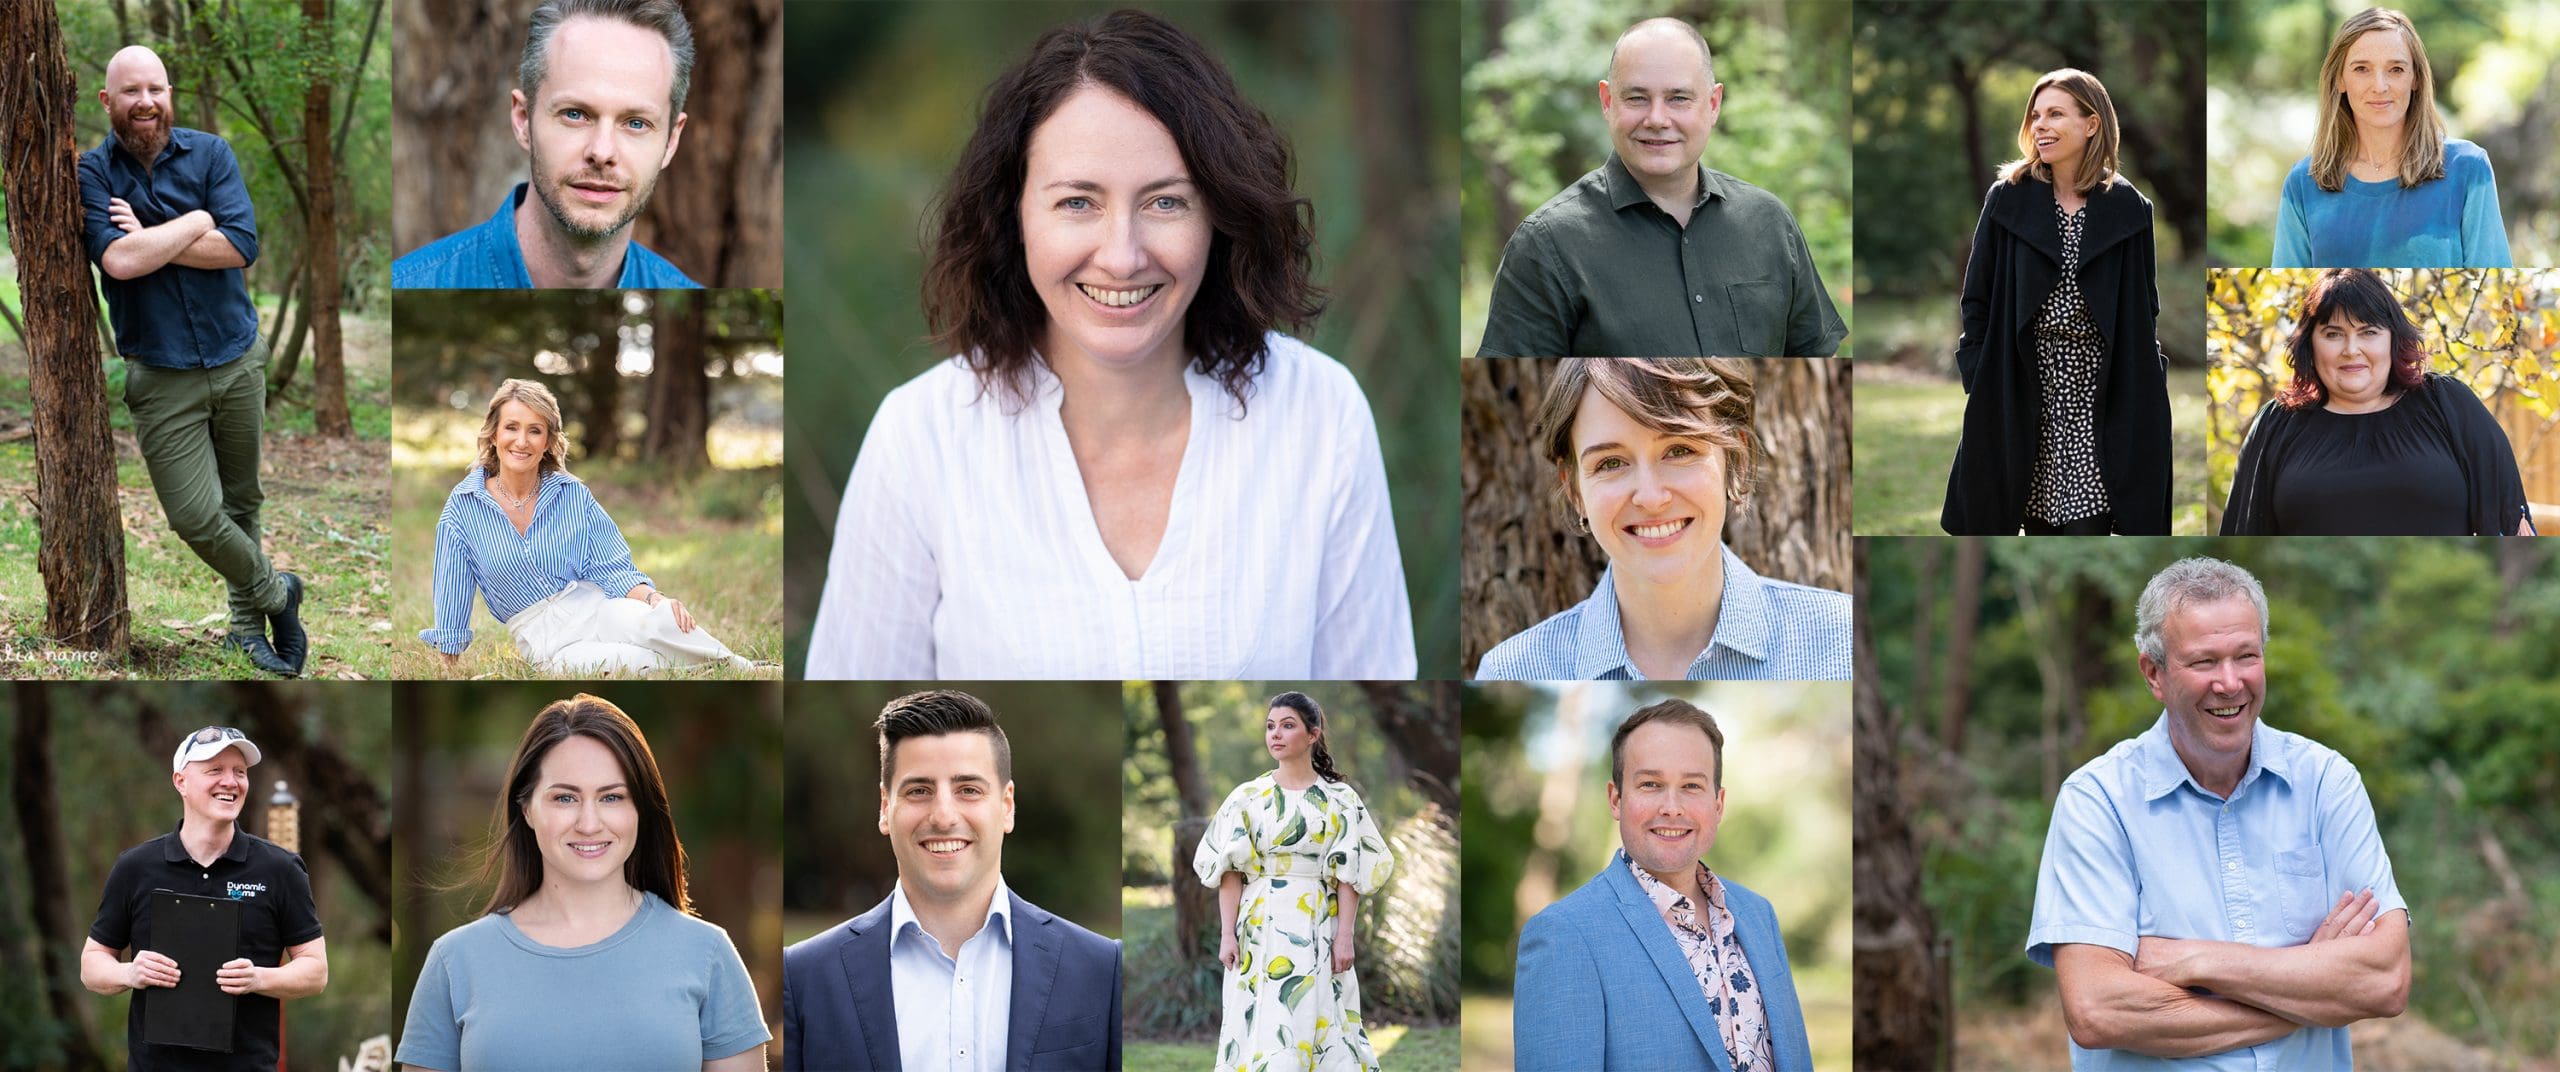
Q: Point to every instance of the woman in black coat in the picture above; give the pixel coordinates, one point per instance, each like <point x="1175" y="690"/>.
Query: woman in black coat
<point x="2067" y="428"/>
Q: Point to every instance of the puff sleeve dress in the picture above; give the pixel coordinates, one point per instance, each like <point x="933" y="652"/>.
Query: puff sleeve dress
<point x="1285" y="1008"/>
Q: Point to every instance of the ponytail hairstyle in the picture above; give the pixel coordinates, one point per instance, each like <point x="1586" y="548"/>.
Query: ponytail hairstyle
<point x="1313" y="715"/>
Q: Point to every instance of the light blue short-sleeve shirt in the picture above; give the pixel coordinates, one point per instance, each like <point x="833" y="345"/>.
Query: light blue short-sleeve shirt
<point x="667" y="991"/>
<point x="2138" y="848"/>
<point x="1765" y="631"/>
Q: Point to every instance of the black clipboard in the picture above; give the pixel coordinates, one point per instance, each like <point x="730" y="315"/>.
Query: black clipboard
<point x="201" y="934"/>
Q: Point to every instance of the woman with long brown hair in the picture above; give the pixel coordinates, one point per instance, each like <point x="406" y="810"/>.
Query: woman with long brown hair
<point x="587" y="924"/>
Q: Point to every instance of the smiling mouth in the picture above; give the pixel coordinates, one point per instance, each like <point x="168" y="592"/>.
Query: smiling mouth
<point x="2226" y="713"/>
<point x="227" y="797"/>
<point x="1666" y="833"/>
<point x="1119" y="299"/>
<point x="1659" y="530"/>
<point x="591" y="850"/>
<point x="944" y="847"/>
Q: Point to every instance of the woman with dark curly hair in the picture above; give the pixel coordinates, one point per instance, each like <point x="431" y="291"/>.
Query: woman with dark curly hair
<point x="1126" y="471"/>
<point x="2365" y="441"/>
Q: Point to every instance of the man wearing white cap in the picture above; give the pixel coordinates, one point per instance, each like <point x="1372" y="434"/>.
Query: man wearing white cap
<point x="282" y="954"/>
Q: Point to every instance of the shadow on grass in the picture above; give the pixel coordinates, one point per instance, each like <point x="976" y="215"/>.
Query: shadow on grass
<point x="1905" y="429"/>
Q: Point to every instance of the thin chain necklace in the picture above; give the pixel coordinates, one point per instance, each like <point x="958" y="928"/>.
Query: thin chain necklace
<point x="520" y="502"/>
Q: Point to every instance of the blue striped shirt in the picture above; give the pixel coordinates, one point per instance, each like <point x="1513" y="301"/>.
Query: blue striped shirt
<point x="479" y="550"/>
<point x="1765" y="631"/>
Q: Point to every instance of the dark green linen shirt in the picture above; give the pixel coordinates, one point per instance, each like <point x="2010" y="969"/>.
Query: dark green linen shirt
<point x="1601" y="271"/>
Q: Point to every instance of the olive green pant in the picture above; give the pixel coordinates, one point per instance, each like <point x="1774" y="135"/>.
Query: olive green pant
<point x="199" y="431"/>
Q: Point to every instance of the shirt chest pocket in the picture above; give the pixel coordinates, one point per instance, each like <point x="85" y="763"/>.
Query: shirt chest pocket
<point x="2302" y="890"/>
<point x="1759" y="309"/>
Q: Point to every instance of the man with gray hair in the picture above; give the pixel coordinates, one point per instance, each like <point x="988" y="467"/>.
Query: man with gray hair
<point x="599" y="108"/>
<point x="2214" y="893"/>
<point x="1652" y="255"/>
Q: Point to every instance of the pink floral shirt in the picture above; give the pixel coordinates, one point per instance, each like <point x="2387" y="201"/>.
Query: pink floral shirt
<point x="1714" y="953"/>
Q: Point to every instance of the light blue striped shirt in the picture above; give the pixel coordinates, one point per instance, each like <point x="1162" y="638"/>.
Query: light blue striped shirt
<point x="953" y="1015"/>
<point x="479" y="550"/>
<point x="1765" y="631"/>
<point x="2137" y="848"/>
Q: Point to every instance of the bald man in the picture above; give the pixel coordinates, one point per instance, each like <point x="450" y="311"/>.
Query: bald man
<point x="1652" y="255"/>
<point x="171" y="227"/>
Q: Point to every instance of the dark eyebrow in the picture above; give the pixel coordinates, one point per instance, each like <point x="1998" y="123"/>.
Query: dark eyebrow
<point x="918" y="779"/>
<point x="1092" y="187"/>
<point x="601" y="788"/>
<point x="1598" y="447"/>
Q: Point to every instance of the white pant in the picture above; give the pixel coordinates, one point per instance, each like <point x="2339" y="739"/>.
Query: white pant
<point x="581" y="630"/>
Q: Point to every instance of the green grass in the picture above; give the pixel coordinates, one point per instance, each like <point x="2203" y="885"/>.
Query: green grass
<point x="1906" y="427"/>
<point x="325" y="519"/>
<point x="711" y="539"/>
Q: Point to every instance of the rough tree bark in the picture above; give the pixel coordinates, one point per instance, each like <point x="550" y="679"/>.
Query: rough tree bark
<point x="329" y="415"/>
<point x="80" y="533"/>
<point x="718" y="210"/>
<point x="679" y="393"/>
<point x="1525" y="558"/>
<point x="1195" y="907"/>
<point x="1965" y="605"/>
<point x="600" y="375"/>
<point x="1900" y="985"/>
<point x="40" y="831"/>
<point x="457" y="60"/>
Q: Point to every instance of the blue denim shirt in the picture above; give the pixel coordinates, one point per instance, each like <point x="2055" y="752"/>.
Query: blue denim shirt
<point x="486" y="256"/>
<point x="177" y="317"/>
<point x="2137" y="847"/>
<point x="1765" y="631"/>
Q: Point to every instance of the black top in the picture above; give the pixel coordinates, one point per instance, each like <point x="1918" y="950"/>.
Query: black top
<point x="2434" y="463"/>
<point x="276" y="912"/>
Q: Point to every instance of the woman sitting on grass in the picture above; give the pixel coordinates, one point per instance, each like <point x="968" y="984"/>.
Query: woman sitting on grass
<point x="538" y="548"/>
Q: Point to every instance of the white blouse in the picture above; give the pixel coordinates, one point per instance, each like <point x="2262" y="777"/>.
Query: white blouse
<point x="965" y="548"/>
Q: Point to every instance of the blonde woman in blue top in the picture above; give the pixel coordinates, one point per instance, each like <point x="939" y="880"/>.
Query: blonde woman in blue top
<point x="2383" y="186"/>
<point x="533" y="542"/>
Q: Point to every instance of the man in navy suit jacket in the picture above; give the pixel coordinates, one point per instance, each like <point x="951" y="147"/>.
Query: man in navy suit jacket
<point x="984" y="978"/>
<point x="1656" y="942"/>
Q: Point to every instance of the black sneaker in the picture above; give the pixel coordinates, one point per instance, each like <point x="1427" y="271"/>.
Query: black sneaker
<point x="263" y="655"/>
<point x="292" y="644"/>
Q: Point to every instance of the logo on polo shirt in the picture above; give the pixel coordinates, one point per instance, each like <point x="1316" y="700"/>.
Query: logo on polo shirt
<point x="241" y="891"/>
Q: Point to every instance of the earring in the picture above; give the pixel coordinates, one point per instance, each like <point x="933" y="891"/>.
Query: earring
<point x="1585" y="522"/>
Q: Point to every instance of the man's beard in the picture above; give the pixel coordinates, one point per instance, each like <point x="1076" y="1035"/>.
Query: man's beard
<point x="545" y="187"/>
<point x="142" y="139"/>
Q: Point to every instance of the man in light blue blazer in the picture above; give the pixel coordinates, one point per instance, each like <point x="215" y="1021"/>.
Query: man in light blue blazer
<point x="1658" y="962"/>
<point x="953" y="970"/>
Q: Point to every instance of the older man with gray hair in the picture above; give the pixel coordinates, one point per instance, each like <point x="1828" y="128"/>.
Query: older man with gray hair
<point x="2214" y="893"/>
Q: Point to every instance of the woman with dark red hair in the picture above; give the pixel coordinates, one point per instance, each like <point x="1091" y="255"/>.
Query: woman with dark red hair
<point x="2365" y="441"/>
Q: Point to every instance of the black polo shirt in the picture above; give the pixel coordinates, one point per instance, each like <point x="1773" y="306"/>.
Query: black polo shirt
<point x="1602" y="271"/>
<point x="274" y="891"/>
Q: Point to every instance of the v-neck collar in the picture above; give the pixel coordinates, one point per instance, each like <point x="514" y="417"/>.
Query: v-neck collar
<point x="1048" y="399"/>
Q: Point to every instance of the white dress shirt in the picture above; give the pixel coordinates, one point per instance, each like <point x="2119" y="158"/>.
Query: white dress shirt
<point x="953" y="1014"/>
<point x="966" y="548"/>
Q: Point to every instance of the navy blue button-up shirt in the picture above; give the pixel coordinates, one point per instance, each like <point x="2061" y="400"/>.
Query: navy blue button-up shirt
<point x="177" y="317"/>
<point x="486" y="256"/>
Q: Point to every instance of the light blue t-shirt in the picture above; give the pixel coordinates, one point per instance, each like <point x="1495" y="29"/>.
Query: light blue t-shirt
<point x="2138" y="848"/>
<point x="2451" y="222"/>
<point x="667" y="991"/>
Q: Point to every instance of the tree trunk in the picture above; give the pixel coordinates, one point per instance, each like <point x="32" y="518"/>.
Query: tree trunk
<point x="1195" y="907"/>
<point x="600" y="378"/>
<point x="1900" y="985"/>
<point x="329" y="415"/>
<point x="48" y="887"/>
<point x="1420" y="724"/>
<point x="345" y="813"/>
<point x="80" y="532"/>
<point x="717" y="212"/>
<point x="1527" y="558"/>
<point x="1966" y="607"/>
<point x="679" y="394"/>
<point x="454" y="62"/>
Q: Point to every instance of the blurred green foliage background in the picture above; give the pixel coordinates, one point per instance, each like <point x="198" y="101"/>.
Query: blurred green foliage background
<point x="2424" y="662"/>
<point x="885" y="94"/>
<point x="1533" y="122"/>
<point x="1062" y="854"/>
<point x="2495" y="84"/>
<point x="718" y="744"/>
<point x="1537" y="760"/>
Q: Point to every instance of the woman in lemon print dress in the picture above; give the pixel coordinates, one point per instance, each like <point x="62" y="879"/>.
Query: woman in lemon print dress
<point x="1291" y="854"/>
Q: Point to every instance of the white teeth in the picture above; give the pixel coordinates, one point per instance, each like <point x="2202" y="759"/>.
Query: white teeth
<point x="1118" y="299"/>
<point x="1659" y="529"/>
<point x="944" y="845"/>
<point x="2223" y="712"/>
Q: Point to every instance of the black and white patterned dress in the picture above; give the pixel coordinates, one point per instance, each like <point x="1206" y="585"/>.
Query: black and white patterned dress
<point x="2064" y="485"/>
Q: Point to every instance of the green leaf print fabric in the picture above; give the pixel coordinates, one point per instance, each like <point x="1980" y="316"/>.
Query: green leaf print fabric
<point x="1286" y="1010"/>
